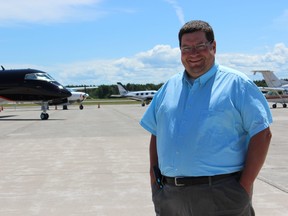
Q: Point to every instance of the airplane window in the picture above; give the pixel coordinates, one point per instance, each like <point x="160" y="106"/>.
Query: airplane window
<point x="44" y="77"/>
<point x="39" y="76"/>
<point x="30" y="76"/>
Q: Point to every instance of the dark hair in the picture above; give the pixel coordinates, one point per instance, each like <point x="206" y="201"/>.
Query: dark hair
<point x="194" y="26"/>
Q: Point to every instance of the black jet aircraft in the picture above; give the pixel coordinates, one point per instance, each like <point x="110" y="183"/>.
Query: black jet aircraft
<point x="31" y="85"/>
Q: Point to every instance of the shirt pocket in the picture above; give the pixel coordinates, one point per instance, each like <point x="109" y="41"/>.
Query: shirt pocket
<point x="216" y="127"/>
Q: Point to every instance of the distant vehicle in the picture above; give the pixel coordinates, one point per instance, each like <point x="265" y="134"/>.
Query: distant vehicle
<point x="277" y="90"/>
<point x="33" y="86"/>
<point x="144" y="96"/>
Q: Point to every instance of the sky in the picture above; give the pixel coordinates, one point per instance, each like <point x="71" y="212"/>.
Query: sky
<point x="96" y="42"/>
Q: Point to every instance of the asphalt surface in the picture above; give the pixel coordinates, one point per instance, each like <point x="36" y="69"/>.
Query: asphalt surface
<point x="95" y="162"/>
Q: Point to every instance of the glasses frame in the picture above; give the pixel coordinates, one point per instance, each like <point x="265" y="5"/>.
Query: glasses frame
<point x="197" y="48"/>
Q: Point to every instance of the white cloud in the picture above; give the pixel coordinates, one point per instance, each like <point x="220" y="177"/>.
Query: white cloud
<point x="157" y="65"/>
<point x="178" y="10"/>
<point x="161" y="62"/>
<point x="275" y="59"/>
<point x="20" y="11"/>
<point x="153" y="66"/>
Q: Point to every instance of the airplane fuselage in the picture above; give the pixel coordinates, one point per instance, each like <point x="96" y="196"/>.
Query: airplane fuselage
<point x="141" y="95"/>
<point x="144" y="96"/>
<point x="281" y="97"/>
<point x="29" y="85"/>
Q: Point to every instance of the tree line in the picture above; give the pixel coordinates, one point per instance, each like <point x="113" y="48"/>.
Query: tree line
<point x="105" y="91"/>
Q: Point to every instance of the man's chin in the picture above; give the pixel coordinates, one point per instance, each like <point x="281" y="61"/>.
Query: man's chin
<point x="195" y="73"/>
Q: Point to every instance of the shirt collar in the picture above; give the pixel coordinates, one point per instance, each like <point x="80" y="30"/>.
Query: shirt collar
<point x="204" y="78"/>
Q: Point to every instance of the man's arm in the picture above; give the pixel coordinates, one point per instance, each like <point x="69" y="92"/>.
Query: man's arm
<point x="153" y="158"/>
<point x="256" y="155"/>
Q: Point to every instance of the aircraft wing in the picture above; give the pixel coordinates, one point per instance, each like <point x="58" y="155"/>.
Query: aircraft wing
<point x="82" y="88"/>
<point x="116" y="96"/>
<point x="277" y="91"/>
<point x="273" y="89"/>
<point x="142" y="98"/>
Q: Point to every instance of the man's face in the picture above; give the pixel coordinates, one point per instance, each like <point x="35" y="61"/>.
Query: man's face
<point x="197" y="54"/>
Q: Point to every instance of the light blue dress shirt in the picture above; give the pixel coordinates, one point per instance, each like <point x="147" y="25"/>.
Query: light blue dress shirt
<point x="203" y="127"/>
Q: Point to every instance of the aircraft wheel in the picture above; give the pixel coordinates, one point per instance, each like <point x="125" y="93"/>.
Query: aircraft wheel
<point x="143" y="104"/>
<point x="81" y="107"/>
<point x="44" y="116"/>
<point x="65" y="107"/>
<point x="284" y="105"/>
<point x="274" y="106"/>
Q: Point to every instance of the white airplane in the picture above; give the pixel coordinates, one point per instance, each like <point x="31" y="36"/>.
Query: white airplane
<point x="144" y="96"/>
<point x="277" y="90"/>
<point x="76" y="97"/>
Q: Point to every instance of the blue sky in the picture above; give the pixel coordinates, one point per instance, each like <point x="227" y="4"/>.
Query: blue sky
<point x="98" y="42"/>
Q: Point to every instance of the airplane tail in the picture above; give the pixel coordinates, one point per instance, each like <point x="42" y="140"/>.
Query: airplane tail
<point x="122" y="89"/>
<point x="270" y="78"/>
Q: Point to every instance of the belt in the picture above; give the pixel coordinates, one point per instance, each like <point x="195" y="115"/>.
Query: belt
<point x="186" y="181"/>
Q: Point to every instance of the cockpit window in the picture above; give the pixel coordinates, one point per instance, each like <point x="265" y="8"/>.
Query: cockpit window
<point x="39" y="76"/>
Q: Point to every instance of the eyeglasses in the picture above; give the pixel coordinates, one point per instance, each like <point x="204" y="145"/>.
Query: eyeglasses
<point x="197" y="48"/>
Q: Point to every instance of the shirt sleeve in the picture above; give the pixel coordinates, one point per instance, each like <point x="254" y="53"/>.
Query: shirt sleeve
<point x="148" y="121"/>
<point x="255" y="111"/>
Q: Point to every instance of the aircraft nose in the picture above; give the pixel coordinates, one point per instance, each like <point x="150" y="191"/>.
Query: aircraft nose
<point x="65" y="93"/>
<point x="84" y="96"/>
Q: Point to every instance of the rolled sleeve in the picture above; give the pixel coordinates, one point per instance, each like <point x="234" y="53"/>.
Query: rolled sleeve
<point x="255" y="111"/>
<point x="148" y="121"/>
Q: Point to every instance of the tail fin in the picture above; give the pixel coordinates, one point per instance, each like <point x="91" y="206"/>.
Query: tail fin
<point x="121" y="88"/>
<point x="270" y="78"/>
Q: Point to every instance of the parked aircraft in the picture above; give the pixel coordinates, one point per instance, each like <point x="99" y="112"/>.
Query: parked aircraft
<point x="31" y="85"/>
<point x="144" y="96"/>
<point x="76" y="97"/>
<point x="277" y="90"/>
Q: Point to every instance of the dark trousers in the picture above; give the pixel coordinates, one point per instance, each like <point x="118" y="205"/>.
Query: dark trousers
<point x="225" y="197"/>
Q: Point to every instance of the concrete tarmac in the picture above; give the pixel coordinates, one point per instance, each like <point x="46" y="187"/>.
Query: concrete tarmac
<point x="95" y="162"/>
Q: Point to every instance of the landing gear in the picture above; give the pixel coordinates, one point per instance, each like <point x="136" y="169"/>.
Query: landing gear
<point x="145" y="102"/>
<point x="275" y="105"/>
<point x="44" y="115"/>
<point x="65" y="107"/>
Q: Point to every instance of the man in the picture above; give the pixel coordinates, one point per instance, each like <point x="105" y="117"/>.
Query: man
<point x="210" y="134"/>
